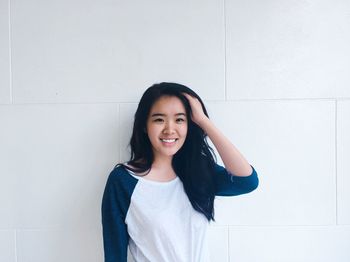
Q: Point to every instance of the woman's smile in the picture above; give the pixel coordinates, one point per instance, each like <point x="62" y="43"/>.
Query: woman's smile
<point x="169" y="142"/>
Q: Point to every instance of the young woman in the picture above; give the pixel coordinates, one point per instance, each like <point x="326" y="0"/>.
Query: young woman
<point x="161" y="201"/>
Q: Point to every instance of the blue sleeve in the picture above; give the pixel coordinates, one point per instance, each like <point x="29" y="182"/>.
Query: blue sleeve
<point x="228" y="184"/>
<point x="115" y="235"/>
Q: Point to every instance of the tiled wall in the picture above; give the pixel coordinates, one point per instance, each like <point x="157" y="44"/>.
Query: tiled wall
<point x="275" y="76"/>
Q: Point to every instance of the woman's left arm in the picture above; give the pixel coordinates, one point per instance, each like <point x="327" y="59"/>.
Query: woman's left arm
<point x="233" y="160"/>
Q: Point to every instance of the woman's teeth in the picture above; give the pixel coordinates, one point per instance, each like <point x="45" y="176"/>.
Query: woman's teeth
<point x="168" y="140"/>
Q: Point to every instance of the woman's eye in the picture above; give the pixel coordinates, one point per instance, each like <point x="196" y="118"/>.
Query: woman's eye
<point x="160" y="120"/>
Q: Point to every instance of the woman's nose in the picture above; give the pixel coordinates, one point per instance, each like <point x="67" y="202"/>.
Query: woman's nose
<point x="168" y="129"/>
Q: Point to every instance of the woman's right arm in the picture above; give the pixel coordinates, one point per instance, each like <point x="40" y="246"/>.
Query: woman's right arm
<point x="115" y="235"/>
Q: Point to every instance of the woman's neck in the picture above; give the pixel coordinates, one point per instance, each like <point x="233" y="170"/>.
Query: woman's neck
<point x="162" y="164"/>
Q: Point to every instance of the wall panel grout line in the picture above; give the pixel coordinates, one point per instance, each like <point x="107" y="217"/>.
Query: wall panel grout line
<point x="207" y="100"/>
<point x="119" y="136"/>
<point x="228" y="243"/>
<point x="16" y="259"/>
<point x="10" y="51"/>
<point x="225" y="62"/>
<point x="336" y="160"/>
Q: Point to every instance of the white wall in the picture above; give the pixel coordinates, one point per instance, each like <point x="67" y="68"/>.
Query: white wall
<point x="274" y="75"/>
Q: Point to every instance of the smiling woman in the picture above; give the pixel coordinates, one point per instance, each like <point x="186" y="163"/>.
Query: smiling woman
<point x="160" y="202"/>
<point x="166" y="129"/>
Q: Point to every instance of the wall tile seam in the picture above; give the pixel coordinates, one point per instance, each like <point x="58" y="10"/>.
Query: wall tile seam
<point x="251" y="100"/>
<point x="63" y="228"/>
<point x="209" y="101"/>
<point x="228" y="243"/>
<point x="225" y="51"/>
<point x="336" y="159"/>
<point x="119" y="135"/>
<point x="268" y="100"/>
<point x="290" y="226"/>
<point x="217" y="226"/>
<point x="59" y="103"/>
<point x="10" y="51"/>
<point x="279" y="99"/>
<point x="16" y="259"/>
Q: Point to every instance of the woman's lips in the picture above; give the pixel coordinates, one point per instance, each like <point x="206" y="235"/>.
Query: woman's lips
<point x="169" y="142"/>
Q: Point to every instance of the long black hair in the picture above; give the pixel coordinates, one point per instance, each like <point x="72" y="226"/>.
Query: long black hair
<point x="193" y="163"/>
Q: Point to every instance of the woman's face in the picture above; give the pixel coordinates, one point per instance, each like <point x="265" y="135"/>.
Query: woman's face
<point x="167" y="126"/>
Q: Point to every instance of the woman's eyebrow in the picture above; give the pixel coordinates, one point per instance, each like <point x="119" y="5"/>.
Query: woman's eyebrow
<point x="160" y="114"/>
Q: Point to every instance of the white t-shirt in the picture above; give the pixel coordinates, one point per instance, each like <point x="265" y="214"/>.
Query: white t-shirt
<point x="162" y="224"/>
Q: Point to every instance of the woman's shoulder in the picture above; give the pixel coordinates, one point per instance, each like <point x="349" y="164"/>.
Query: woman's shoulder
<point x="125" y="169"/>
<point x="135" y="167"/>
<point x="120" y="183"/>
<point x="118" y="173"/>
